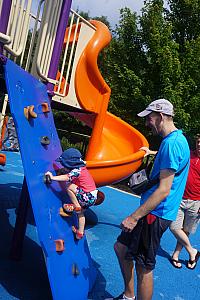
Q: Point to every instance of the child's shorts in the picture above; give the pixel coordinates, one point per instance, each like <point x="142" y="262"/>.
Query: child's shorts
<point x="86" y="199"/>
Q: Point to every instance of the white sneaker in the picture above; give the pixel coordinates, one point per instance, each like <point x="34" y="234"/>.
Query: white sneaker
<point x="121" y="297"/>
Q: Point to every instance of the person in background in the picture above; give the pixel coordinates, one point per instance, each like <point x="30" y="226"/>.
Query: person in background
<point x="189" y="213"/>
<point x="143" y="229"/>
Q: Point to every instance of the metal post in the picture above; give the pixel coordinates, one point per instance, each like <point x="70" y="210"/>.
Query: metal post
<point x="3" y="113"/>
<point x="20" y="224"/>
<point x="59" y="41"/>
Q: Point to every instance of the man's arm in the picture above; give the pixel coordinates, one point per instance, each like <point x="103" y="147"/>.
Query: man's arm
<point x="163" y="190"/>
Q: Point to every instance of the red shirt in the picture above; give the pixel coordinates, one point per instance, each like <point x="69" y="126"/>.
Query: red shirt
<point x="192" y="189"/>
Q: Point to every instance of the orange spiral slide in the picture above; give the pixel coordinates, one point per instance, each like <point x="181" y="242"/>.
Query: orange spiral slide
<point x="113" y="152"/>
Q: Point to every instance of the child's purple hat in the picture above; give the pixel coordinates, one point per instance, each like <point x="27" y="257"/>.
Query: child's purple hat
<point x="71" y="158"/>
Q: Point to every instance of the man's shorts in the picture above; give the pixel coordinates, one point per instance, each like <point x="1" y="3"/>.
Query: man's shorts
<point x="188" y="216"/>
<point x="144" y="240"/>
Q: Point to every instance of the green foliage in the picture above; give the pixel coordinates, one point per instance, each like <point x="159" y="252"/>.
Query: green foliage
<point x="71" y="132"/>
<point x="103" y="19"/>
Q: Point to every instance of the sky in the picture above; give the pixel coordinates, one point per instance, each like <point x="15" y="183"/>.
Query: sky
<point x="109" y="8"/>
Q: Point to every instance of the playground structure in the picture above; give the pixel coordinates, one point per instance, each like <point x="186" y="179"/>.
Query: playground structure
<point x="32" y="49"/>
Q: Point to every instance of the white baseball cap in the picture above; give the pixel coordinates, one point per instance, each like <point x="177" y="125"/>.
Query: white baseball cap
<point x="161" y="106"/>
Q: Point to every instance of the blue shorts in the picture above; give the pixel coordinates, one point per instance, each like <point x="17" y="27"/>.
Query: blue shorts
<point x="85" y="199"/>
<point x="144" y="240"/>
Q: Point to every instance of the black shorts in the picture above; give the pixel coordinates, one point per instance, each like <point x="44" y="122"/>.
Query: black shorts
<point x="144" y="240"/>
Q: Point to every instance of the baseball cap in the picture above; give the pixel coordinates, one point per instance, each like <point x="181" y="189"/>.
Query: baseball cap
<point x="159" y="105"/>
<point x="71" y="158"/>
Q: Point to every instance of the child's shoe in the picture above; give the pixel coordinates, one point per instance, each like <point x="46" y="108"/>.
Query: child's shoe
<point x="78" y="235"/>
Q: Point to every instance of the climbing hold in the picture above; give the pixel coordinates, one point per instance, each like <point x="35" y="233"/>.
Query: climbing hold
<point x="45" y="107"/>
<point x="2" y="159"/>
<point x="59" y="245"/>
<point x="44" y="140"/>
<point x="29" y="112"/>
<point x="26" y="113"/>
<point x="75" y="270"/>
<point x="47" y="179"/>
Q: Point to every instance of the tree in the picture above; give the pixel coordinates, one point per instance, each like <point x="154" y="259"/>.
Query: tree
<point x="185" y="16"/>
<point x="123" y="69"/>
<point x="156" y="55"/>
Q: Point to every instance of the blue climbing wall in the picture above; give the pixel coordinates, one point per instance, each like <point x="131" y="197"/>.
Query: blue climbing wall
<point x="24" y="90"/>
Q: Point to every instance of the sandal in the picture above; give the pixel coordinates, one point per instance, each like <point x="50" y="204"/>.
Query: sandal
<point x="78" y="235"/>
<point x="64" y="214"/>
<point x="174" y="263"/>
<point x="193" y="262"/>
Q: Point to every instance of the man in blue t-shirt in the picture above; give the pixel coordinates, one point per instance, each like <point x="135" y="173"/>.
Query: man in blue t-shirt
<point x="143" y="229"/>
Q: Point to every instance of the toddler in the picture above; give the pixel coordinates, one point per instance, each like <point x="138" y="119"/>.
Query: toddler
<point x="81" y="187"/>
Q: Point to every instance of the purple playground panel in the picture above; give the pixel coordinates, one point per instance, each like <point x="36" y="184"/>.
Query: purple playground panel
<point x="4" y="17"/>
<point x="62" y="25"/>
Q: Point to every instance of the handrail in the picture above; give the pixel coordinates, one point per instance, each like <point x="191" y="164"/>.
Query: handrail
<point x="46" y="45"/>
<point x="39" y="65"/>
<point x="83" y="20"/>
<point x="19" y="27"/>
<point x="1" y="2"/>
<point x="16" y="38"/>
<point x="37" y="19"/>
<point x="5" y="39"/>
<point x="65" y="57"/>
<point x="72" y="36"/>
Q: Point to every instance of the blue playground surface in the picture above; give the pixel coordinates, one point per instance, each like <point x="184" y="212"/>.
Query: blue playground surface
<point x="27" y="279"/>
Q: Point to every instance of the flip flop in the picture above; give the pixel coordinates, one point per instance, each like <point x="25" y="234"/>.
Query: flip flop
<point x="191" y="262"/>
<point x="174" y="261"/>
<point x="78" y="235"/>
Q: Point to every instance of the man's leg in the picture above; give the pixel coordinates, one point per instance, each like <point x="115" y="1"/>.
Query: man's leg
<point x="126" y="269"/>
<point x="144" y="283"/>
<point x="175" y="255"/>
<point x="189" y="224"/>
<point x="175" y="226"/>
<point x="183" y="239"/>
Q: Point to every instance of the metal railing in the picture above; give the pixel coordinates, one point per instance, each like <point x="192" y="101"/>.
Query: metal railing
<point x="74" y="139"/>
<point x="46" y="38"/>
<point x="21" y="32"/>
<point x="69" y="51"/>
<point x="18" y="26"/>
<point x="1" y="2"/>
<point x="29" y="39"/>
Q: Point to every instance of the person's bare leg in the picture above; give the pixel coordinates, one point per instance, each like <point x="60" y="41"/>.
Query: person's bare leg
<point x="176" y="254"/>
<point x="144" y="283"/>
<point x="127" y="269"/>
<point x="71" y="191"/>
<point x="183" y="239"/>
<point x="81" y="222"/>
